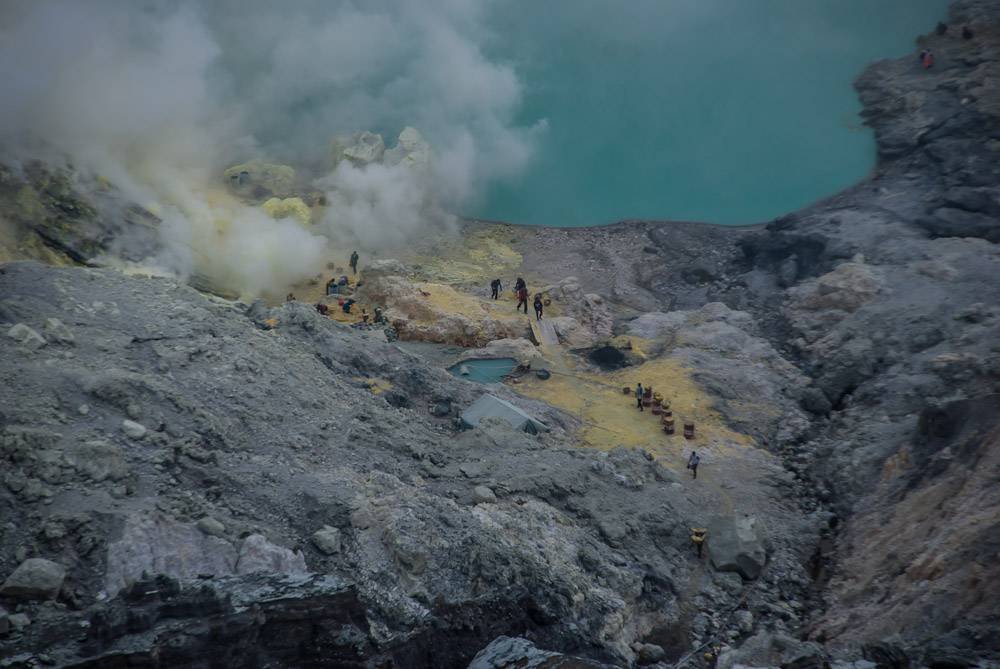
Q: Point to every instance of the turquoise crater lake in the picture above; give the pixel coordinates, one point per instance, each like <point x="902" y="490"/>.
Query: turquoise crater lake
<point x="724" y="111"/>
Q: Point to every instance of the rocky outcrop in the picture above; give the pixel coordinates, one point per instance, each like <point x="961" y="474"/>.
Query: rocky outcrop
<point x="411" y="150"/>
<point x="367" y="148"/>
<point x="918" y="545"/>
<point x="36" y="578"/>
<point x="734" y="545"/>
<point x="360" y="148"/>
<point x="434" y="312"/>
<point x="587" y="320"/>
<point x="57" y="216"/>
<point x="157" y="544"/>
<point x="520" y="349"/>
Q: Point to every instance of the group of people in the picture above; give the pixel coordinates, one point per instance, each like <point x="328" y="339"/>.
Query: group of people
<point x="521" y="291"/>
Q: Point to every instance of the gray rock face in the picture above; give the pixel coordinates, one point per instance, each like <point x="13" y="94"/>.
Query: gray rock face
<point x="35" y="578"/>
<point x="734" y="545"/>
<point x="156" y="544"/>
<point x="4" y="622"/>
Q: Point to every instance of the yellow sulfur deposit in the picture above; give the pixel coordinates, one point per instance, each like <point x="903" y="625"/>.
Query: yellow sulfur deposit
<point x="611" y="419"/>
<point x="290" y="207"/>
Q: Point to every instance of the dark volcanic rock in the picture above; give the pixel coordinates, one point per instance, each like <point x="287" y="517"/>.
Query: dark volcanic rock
<point x="950" y="222"/>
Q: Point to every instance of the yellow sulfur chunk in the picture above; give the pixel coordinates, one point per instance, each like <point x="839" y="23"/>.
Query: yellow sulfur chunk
<point x="291" y="207"/>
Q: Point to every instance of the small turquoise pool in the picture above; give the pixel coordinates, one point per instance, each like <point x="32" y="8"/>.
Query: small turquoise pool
<point x="484" y="370"/>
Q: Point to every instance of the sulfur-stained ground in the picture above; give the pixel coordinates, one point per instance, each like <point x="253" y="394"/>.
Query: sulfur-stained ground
<point x="610" y="418"/>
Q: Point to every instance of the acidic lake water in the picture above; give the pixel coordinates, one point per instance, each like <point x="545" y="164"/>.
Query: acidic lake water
<point x="725" y="111"/>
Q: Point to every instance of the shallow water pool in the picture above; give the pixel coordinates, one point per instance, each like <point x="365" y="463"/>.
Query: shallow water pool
<point x="484" y="370"/>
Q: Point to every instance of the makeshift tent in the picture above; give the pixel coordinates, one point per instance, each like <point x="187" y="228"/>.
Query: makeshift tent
<point x="490" y="406"/>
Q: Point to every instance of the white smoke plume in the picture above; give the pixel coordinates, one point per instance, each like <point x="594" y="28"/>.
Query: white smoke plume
<point x="160" y="97"/>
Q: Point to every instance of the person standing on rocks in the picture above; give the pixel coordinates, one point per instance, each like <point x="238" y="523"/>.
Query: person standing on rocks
<point x="522" y="296"/>
<point x="354" y="262"/>
<point x="928" y="59"/>
<point x="638" y="396"/>
<point x="538" y="307"/>
<point x="495" y="288"/>
<point x="693" y="462"/>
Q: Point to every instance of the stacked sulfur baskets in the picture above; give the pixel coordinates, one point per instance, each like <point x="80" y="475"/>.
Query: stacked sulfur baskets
<point x="660" y="407"/>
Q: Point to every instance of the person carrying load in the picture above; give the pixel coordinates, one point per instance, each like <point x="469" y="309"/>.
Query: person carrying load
<point x="698" y="536"/>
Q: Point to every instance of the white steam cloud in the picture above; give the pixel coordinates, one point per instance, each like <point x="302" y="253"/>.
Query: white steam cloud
<point x="161" y="97"/>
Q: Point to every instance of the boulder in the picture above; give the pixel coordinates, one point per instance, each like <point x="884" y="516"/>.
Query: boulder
<point x="648" y="653"/>
<point x="57" y="331"/>
<point x="133" y="430"/>
<point x="327" y="540"/>
<point x="25" y="336"/>
<point x="211" y="527"/>
<point x="257" y="554"/>
<point x="815" y="401"/>
<point x="98" y="460"/>
<point x="35" y="578"/>
<point x="657" y="323"/>
<point x="733" y="545"/>
<point x="483" y="494"/>
<point x="411" y="150"/>
<point x="846" y="289"/>
<point x="18" y="621"/>
<point x="518" y="348"/>
<point x="360" y="148"/>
